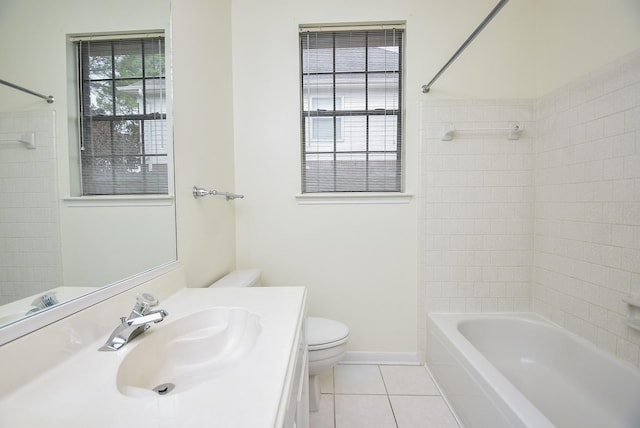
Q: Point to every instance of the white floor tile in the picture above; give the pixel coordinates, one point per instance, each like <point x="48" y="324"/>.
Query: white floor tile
<point x="360" y="411"/>
<point x="371" y="396"/>
<point x="324" y="417"/>
<point x="422" y="412"/>
<point x="408" y="380"/>
<point x="358" y="379"/>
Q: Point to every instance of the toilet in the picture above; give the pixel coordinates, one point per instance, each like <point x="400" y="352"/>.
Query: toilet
<point x="326" y="339"/>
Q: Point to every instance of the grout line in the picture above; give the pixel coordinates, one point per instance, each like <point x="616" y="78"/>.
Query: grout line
<point x="393" y="413"/>
<point x="424" y="366"/>
<point x="444" y="398"/>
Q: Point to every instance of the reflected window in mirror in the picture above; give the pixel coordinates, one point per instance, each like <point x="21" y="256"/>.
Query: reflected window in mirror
<point x="122" y="115"/>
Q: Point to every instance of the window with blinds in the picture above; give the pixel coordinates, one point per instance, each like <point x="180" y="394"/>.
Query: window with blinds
<point x="123" y="130"/>
<point x="351" y="109"/>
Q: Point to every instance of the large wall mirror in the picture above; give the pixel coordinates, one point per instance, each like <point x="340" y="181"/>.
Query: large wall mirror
<point x="57" y="246"/>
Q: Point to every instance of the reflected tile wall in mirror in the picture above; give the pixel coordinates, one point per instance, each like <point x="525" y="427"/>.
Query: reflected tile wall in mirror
<point x="30" y="255"/>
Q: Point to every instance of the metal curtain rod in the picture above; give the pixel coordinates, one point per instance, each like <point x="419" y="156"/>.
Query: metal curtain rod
<point x="492" y="14"/>
<point x="48" y="98"/>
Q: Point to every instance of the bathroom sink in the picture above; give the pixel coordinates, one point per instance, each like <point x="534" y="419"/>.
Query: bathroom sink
<point x="181" y="354"/>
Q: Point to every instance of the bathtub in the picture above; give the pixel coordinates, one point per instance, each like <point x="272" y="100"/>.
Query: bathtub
<point x="519" y="370"/>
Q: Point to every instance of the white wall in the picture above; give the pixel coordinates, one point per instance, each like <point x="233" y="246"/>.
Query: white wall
<point x="203" y="137"/>
<point x="574" y="37"/>
<point x="358" y="261"/>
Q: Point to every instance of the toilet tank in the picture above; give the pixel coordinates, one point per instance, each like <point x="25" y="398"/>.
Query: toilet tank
<point x="239" y="278"/>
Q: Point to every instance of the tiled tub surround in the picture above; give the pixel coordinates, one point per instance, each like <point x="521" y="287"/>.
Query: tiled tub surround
<point x="549" y="222"/>
<point x="476" y="209"/>
<point x="30" y="259"/>
<point x="587" y="216"/>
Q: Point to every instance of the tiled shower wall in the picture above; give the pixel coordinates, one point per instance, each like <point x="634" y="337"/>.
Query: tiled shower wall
<point x="587" y="231"/>
<point x="477" y="207"/>
<point x="476" y="213"/>
<point x="549" y="222"/>
<point x="30" y="255"/>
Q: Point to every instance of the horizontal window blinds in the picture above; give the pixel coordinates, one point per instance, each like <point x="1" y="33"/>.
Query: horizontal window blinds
<point x="123" y="116"/>
<point x="351" y="110"/>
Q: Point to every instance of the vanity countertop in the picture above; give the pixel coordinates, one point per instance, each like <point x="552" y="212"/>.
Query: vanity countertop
<point x="82" y="391"/>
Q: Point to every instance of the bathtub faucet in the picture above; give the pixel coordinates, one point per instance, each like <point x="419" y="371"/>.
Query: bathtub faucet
<point x="139" y="321"/>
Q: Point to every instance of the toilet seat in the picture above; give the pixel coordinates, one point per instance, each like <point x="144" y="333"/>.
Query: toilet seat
<point x="324" y="333"/>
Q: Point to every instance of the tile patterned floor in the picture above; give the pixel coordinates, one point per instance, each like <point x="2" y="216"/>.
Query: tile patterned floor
<point x="372" y="396"/>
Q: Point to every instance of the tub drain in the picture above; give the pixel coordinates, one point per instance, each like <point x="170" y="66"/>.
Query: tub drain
<point x="164" y="388"/>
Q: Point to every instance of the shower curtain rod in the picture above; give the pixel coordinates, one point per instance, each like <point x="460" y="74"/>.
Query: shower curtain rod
<point x="492" y="14"/>
<point x="48" y="98"/>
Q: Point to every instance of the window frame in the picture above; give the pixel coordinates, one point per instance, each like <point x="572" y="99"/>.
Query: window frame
<point x="147" y="121"/>
<point x="339" y="113"/>
<point x="338" y="127"/>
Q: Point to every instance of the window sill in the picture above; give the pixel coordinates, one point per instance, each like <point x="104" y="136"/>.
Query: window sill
<point x="353" y="198"/>
<point x="118" y="201"/>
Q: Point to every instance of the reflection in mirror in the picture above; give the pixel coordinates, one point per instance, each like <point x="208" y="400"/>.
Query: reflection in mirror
<point x="57" y="244"/>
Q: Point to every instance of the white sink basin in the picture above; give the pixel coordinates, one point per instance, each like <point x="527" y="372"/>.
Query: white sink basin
<point x="171" y="358"/>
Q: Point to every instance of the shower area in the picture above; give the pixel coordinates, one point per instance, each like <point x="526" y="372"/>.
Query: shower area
<point x="30" y="247"/>
<point x="547" y="220"/>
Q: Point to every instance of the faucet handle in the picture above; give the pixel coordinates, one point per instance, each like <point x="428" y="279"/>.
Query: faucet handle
<point x="148" y="298"/>
<point x="144" y="301"/>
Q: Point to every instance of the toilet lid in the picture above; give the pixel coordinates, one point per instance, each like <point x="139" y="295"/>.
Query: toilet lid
<point x="321" y="331"/>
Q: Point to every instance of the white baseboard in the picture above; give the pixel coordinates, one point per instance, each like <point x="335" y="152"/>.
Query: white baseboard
<point x="396" y="358"/>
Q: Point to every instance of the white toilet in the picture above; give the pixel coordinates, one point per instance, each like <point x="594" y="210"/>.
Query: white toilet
<point x="326" y="339"/>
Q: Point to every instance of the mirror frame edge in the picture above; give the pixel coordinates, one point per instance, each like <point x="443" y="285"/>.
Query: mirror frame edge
<point x="23" y="327"/>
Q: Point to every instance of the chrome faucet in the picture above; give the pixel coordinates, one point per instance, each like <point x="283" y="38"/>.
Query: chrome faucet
<point x="42" y="302"/>
<point x="139" y="321"/>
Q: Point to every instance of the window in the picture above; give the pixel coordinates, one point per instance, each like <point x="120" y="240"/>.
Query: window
<point x="351" y="109"/>
<point x="123" y="130"/>
<point x="322" y="128"/>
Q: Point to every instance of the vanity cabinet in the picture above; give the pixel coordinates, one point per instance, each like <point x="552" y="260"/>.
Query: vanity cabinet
<point x="267" y="387"/>
<point x="297" y="411"/>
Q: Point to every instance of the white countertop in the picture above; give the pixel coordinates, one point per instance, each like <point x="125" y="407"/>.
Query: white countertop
<point x="82" y="392"/>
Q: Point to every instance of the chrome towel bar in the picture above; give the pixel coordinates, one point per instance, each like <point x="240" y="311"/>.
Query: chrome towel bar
<point x="199" y="192"/>
<point x="513" y="130"/>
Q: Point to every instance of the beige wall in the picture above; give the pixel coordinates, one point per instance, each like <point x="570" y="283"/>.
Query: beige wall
<point x="360" y="261"/>
<point x="203" y="137"/>
<point x="574" y="37"/>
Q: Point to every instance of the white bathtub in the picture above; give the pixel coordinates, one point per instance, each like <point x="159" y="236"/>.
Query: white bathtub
<point x="518" y="370"/>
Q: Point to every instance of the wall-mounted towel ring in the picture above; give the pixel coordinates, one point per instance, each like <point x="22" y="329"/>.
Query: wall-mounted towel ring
<point x="199" y="192"/>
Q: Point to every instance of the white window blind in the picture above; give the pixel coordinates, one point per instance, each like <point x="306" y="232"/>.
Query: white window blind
<point x="351" y="109"/>
<point x="123" y="130"/>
